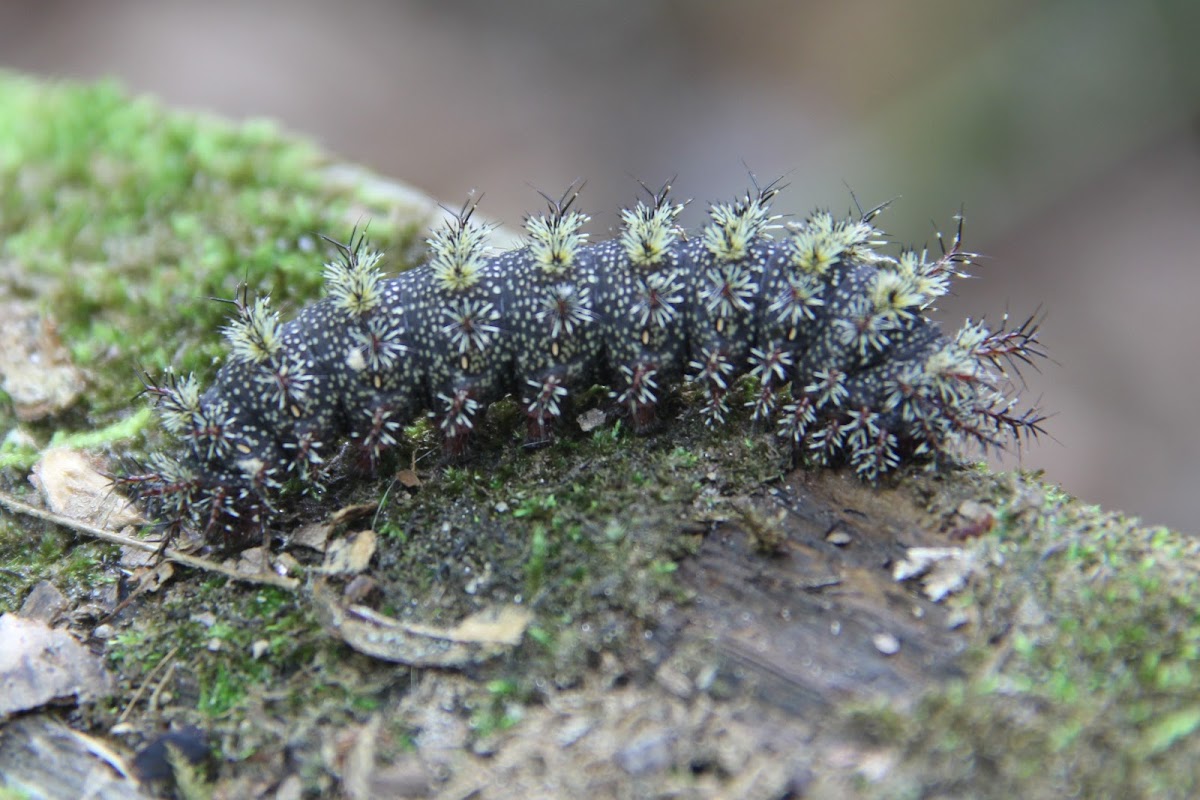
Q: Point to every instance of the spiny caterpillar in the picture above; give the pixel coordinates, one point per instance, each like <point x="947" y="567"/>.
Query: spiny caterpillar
<point x="833" y="334"/>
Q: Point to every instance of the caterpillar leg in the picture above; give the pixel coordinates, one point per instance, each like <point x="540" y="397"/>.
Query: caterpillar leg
<point x="457" y="421"/>
<point x="375" y="433"/>
<point x="543" y="407"/>
<point x="639" y="396"/>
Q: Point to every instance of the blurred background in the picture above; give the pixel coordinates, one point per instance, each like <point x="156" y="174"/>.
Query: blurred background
<point x="1068" y="130"/>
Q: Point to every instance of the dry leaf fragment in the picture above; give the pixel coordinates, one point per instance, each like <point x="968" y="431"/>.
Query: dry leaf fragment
<point x="477" y="638"/>
<point x="44" y="603"/>
<point x="943" y="570"/>
<point x="73" y="487"/>
<point x="351" y="554"/>
<point x="314" y="536"/>
<point x="152" y="579"/>
<point x="36" y="370"/>
<point x="42" y="757"/>
<point x="348" y="514"/>
<point x="590" y="420"/>
<point x="40" y="665"/>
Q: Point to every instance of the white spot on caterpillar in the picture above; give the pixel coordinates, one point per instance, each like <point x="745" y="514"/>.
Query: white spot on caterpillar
<point x="251" y="466"/>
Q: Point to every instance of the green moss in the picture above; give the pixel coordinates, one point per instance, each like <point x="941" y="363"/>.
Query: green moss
<point x="33" y="553"/>
<point x="127" y="219"/>
<point x="586" y="533"/>
<point x="246" y="653"/>
<point x="1083" y="679"/>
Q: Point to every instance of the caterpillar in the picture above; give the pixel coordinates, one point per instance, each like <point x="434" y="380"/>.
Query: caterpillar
<point x="833" y="335"/>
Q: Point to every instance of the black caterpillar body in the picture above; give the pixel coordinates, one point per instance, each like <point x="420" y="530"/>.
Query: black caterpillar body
<point x="835" y="335"/>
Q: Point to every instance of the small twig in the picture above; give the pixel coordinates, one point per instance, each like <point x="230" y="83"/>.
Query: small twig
<point x="137" y="695"/>
<point x="268" y="578"/>
<point x="152" y="703"/>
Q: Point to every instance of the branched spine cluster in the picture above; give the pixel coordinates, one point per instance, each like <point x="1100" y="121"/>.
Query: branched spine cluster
<point x="458" y="251"/>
